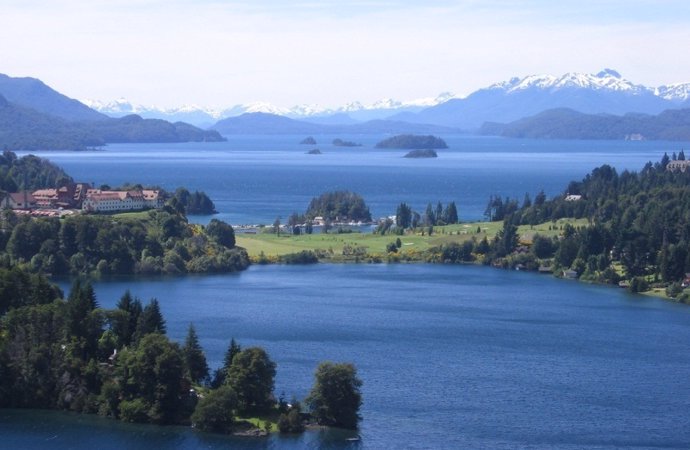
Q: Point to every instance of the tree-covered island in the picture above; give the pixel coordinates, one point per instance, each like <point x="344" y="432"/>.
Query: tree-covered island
<point x="426" y="153"/>
<point x="342" y="143"/>
<point x="412" y="142"/>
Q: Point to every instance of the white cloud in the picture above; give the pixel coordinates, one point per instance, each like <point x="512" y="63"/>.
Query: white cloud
<point x="221" y="53"/>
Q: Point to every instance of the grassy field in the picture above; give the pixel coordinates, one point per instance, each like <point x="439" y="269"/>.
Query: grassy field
<point x="275" y="245"/>
<point x="132" y="215"/>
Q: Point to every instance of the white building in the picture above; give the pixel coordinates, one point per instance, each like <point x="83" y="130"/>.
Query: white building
<point x="113" y="201"/>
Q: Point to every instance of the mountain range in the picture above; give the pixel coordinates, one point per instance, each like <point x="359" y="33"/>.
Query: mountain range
<point x="204" y="117"/>
<point x="264" y="123"/>
<point x="603" y="92"/>
<point x="34" y="116"/>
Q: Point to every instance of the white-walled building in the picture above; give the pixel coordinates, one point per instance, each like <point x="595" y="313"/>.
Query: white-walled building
<point x="112" y="201"/>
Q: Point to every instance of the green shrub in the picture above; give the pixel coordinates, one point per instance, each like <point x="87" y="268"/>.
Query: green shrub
<point x="215" y="412"/>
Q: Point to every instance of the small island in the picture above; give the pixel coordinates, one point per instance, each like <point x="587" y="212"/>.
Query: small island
<point x="341" y="143"/>
<point x="308" y="141"/>
<point x="411" y="141"/>
<point x="427" y="153"/>
<point x="315" y="151"/>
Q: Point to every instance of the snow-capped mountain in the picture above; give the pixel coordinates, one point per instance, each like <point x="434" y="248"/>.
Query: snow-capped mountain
<point x="679" y="92"/>
<point x="200" y="116"/>
<point x="607" y="79"/>
<point x="603" y="92"/>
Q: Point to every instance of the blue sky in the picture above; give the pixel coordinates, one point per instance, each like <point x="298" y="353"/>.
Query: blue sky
<point x="223" y="52"/>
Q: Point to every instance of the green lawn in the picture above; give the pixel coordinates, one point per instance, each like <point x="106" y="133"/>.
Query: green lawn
<point x="272" y="245"/>
<point x="138" y="215"/>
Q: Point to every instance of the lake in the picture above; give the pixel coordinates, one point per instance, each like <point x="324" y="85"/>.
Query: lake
<point x="450" y="356"/>
<point x="254" y="179"/>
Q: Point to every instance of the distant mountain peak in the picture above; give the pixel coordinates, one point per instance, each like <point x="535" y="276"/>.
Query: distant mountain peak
<point x="607" y="79"/>
<point x="677" y="92"/>
<point x="609" y="72"/>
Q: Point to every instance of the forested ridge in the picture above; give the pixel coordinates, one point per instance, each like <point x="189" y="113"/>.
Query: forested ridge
<point x="23" y="128"/>
<point x="637" y="232"/>
<point x="563" y="123"/>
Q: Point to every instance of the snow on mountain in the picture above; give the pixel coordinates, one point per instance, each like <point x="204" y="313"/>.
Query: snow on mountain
<point x="678" y="92"/>
<point x="594" y="87"/>
<point x="607" y="79"/>
<point x="122" y="106"/>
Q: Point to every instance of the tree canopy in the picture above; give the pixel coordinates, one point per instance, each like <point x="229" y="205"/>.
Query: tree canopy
<point x="335" y="398"/>
<point x="343" y="206"/>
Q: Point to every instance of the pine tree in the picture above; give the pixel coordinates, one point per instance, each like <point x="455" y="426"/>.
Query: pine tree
<point x="450" y="216"/>
<point x="194" y="358"/>
<point x="219" y="375"/>
<point x="124" y="319"/>
<point x="438" y="214"/>
<point x="83" y="321"/>
<point x="150" y="321"/>
<point x="403" y="216"/>
<point x="430" y="217"/>
<point x="233" y="350"/>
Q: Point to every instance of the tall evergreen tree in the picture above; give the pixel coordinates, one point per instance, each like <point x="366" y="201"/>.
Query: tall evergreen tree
<point x="233" y="349"/>
<point x="221" y="374"/>
<point x="125" y="317"/>
<point x="450" y="215"/>
<point x="438" y="214"/>
<point x="83" y="322"/>
<point x="151" y="320"/>
<point x="403" y="216"/>
<point x="194" y="358"/>
<point x="430" y="218"/>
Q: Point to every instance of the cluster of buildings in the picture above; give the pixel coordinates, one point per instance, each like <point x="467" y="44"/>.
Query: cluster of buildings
<point x="81" y="196"/>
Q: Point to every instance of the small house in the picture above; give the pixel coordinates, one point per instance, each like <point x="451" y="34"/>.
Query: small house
<point x="570" y="274"/>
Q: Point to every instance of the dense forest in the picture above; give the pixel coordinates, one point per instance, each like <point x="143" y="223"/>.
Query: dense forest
<point x="342" y="206"/>
<point x="72" y="354"/>
<point x="637" y="232"/>
<point x="162" y="241"/>
<point x="411" y="142"/>
<point x="195" y="203"/>
<point x="29" y="172"/>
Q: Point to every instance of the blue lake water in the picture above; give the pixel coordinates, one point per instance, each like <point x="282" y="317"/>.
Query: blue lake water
<point x="254" y="179"/>
<point x="450" y="356"/>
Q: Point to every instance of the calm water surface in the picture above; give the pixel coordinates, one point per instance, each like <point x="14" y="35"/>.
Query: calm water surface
<point x="451" y="357"/>
<point x="254" y="179"/>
